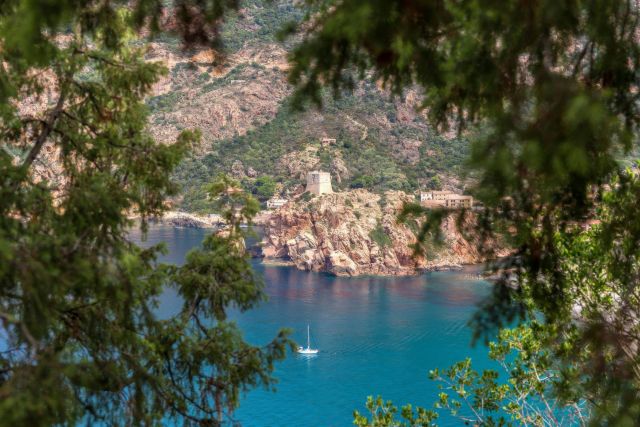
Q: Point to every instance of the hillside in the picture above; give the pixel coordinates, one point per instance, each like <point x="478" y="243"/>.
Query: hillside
<point x="240" y="103"/>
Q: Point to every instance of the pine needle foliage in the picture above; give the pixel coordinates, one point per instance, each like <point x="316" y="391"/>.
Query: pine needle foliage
<point x="547" y="92"/>
<point x="81" y="340"/>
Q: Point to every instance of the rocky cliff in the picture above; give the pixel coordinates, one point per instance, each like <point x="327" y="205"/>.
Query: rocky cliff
<point x="225" y="100"/>
<point x="356" y="233"/>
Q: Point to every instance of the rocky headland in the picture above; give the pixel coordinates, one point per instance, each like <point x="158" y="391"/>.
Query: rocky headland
<point x="356" y="233"/>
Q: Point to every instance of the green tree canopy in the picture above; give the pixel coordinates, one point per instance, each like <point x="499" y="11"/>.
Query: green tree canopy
<point x="547" y="92"/>
<point x="81" y="340"/>
<point x="520" y="393"/>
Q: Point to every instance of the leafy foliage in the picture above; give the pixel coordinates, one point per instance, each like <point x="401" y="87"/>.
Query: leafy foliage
<point x="379" y="236"/>
<point x="599" y="272"/>
<point x="372" y="163"/>
<point x="527" y="396"/>
<point x="547" y="92"/>
<point x="268" y="20"/>
<point x="263" y="187"/>
<point x="555" y="95"/>
<point x="383" y="415"/>
<point x="81" y="340"/>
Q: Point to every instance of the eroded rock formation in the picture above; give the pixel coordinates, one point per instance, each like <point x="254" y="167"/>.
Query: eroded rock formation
<point x="356" y="233"/>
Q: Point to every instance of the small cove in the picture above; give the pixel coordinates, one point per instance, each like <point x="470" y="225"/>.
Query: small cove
<point x="376" y="335"/>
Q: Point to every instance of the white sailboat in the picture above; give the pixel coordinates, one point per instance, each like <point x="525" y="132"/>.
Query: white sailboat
<point x="308" y="350"/>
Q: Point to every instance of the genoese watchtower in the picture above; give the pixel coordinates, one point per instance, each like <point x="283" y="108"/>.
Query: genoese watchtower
<point x="319" y="182"/>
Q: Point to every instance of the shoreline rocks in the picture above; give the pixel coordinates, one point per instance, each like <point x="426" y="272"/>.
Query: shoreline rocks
<point x="188" y="220"/>
<point x="352" y="233"/>
<point x="356" y="233"/>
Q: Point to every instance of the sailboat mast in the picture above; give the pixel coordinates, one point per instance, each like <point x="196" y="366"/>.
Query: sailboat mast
<point x="308" y="338"/>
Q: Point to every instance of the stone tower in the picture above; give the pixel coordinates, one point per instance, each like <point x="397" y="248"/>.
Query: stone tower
<point x="319" y="182"/>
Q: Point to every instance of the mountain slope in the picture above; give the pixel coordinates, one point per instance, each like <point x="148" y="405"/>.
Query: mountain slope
<point x="240" y="103"/>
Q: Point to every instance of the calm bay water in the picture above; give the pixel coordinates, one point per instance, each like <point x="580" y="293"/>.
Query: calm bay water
<point x="375" y="335"/>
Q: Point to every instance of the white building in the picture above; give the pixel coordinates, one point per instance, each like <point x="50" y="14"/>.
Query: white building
<point x="459" y="201"/>
<point x="434" y="195"/>
<point x="447" y="199"/>
<point x="274" y="203"/>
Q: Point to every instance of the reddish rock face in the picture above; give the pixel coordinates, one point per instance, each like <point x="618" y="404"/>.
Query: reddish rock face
<point x="248" y="99"/>
<point x="340" y="233"/>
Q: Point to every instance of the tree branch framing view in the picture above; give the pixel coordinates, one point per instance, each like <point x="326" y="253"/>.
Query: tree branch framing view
<point x="529" y="107"/>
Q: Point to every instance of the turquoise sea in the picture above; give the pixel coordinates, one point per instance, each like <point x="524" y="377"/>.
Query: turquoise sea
<point x="375" y="336"/>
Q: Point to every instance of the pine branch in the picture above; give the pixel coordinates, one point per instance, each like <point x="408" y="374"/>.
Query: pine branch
<point x="47" y="128"/>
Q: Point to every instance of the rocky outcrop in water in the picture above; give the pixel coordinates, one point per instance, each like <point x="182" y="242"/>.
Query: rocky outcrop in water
<point x="356" y="233"/>
<point x="187" y="220"/>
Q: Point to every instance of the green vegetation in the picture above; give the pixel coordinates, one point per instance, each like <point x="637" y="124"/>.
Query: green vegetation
<point x="379" y="236"/>
<point x="269" y="19"/>
<point x="372" y="163"/>
<point x="306" y="197"/>
<point x="546" y="90"/>
<point x="81" y="339"/>
<point x="163" y="103"/>
<point x="378" y="162"/>
<point x="263" y="187"/>
<point x="547" y="93"/>
<point x="487" y="399"/>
